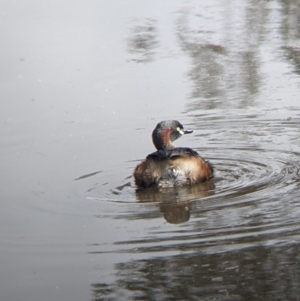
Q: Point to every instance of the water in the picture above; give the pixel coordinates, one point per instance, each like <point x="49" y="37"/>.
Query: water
<point x="83" y="85"/>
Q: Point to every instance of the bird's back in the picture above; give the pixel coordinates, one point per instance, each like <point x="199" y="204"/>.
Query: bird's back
<point x="176" y="167"/>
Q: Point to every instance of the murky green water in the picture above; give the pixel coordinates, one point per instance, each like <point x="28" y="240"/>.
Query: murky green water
<point x="83" y="85"/>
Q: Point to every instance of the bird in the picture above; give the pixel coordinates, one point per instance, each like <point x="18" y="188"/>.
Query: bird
<point x="171" y="166"/>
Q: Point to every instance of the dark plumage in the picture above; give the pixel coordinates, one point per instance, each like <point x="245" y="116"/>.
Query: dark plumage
<point x="169" y="165"/>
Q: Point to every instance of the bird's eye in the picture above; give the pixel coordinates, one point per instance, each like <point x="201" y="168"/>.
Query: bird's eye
<point x="180" y="130"/>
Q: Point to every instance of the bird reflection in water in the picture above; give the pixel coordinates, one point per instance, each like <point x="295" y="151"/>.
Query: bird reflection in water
<point x="175" y="202"/>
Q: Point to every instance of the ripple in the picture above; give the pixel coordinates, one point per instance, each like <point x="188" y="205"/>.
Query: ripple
<point x="237" y="172"/>
<point x="258" y="171"/>
<point x="253" y="199"/>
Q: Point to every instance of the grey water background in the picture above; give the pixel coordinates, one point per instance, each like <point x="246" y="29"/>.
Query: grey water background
<point x="83" y="84"/>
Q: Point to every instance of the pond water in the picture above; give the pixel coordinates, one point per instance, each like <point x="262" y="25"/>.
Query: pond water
<point x="83" y="85"/>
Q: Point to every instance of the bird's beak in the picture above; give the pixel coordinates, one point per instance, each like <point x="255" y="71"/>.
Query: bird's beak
<point x="187" y="131"/>
<point x="184" y="131"/>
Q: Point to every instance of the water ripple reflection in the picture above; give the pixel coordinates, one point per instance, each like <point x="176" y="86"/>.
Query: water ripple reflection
<point x="250" y="207"/>
<point x="252" y="200"/>
<point x="255" y="171"/>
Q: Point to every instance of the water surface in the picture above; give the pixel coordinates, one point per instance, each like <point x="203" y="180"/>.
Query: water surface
<point x="82" y="87"/>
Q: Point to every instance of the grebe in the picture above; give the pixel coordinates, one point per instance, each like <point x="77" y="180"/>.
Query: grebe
<point x="170" y="165"/>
